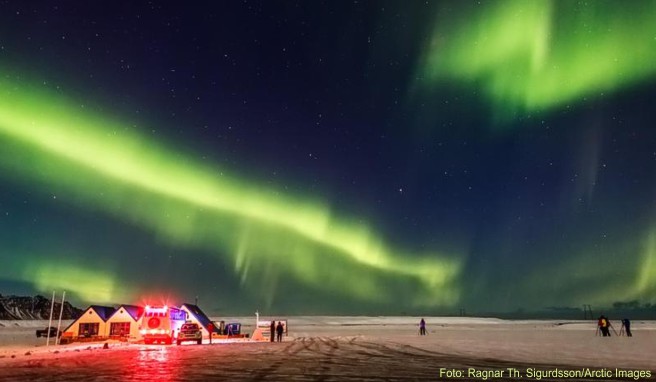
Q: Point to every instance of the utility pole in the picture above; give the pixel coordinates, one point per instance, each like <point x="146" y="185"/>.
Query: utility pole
<point x="52" y="307"/>
<point x="61" y="312"/>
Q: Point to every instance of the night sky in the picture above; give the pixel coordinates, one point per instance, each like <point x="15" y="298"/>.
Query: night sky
<point x="334" y="157"/>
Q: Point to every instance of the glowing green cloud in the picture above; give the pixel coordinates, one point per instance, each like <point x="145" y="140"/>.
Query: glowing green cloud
<point x="90" y="283"/>
<point x="646" y="280"/>
<point x="102" y="165"/>
<point x="624" y="270"/>
<point x="533" y="55"/>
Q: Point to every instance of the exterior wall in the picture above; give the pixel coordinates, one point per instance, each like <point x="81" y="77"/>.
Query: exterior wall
<point x="89" y="316"/>
<point x="122" y="315"/>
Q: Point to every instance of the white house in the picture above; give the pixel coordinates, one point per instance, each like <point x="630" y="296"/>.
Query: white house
<point x="91" y="324"/>
<point x="195" y="314"/>
<point x="124" y="323"/>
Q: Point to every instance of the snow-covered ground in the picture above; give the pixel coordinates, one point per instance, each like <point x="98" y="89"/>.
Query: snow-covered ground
<point x="340" y="348"/>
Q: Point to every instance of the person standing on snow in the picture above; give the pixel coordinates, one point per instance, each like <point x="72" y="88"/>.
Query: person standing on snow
<point x="279" y="330"/>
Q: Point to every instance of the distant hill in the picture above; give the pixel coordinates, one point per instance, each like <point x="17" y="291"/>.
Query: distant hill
<point x="34" y="308"/>
<point x="631" y="310"/>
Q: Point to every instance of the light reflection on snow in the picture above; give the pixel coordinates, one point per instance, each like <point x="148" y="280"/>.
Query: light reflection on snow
<point x="156" y="364"/>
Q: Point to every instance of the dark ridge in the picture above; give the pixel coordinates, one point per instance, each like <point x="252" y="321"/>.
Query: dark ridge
<point x="34" y="308"/>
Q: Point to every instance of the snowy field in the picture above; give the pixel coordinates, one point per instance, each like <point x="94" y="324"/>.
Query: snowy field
<point x="347" y="349"/>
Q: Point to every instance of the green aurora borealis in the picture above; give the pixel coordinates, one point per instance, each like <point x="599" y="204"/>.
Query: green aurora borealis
<point x="536" y="55"/>
<point x="493" y="156"/>
<point x="103" y="166"/>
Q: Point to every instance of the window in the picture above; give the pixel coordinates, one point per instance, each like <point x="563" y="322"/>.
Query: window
<point x="178" y="314"/>
<point x="119" y="329"/>
<point x="89" y="329"/>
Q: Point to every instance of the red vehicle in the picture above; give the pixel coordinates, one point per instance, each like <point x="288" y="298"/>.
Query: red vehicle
<point x="161" y="324"/>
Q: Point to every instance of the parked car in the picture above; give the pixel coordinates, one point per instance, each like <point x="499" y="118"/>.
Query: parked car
<point x="44" y="332"/>
<point x="190" y="331"/>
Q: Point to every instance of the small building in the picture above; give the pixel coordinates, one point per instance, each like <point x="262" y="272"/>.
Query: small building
<point x="195" y="314"/>
<point x="124" y="323"/>
<point x="92" y="324"/>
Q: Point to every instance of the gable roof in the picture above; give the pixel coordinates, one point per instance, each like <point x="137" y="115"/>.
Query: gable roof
<point x="133" y="310"/>
<point x="104" y="312"/>
<point x="200" y="316"/>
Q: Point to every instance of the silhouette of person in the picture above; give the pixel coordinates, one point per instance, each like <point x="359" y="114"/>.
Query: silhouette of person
<point x="627" y="327"/>
<point x="279" y="330"/>
<point x="604" y="326"/>
<point x="422" y="327"/>
<point x="600" y="323"/>
<point x="273" y="330"/>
